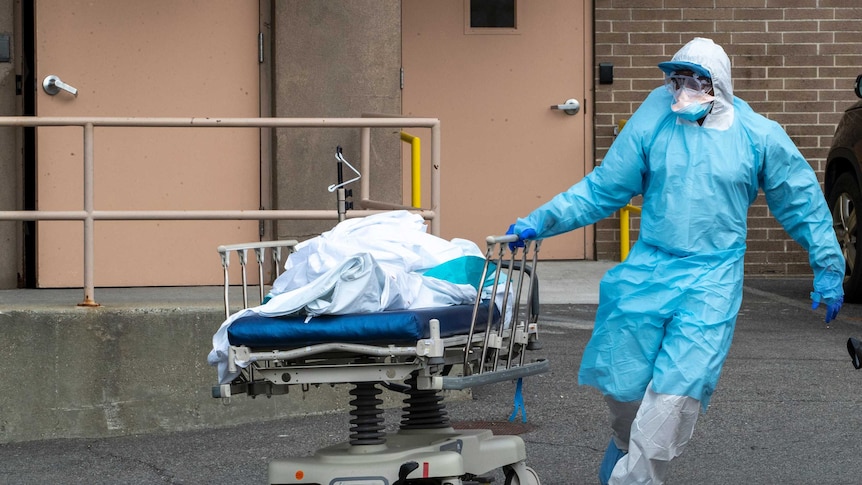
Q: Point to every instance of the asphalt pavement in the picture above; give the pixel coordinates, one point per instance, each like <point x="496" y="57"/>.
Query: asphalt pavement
<point x="786" y="411"/>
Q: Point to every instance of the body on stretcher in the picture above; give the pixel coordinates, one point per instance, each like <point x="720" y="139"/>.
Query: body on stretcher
<point x="418" y="352"/>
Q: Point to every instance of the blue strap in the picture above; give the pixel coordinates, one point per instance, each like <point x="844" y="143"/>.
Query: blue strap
<point x="519" y="402"/>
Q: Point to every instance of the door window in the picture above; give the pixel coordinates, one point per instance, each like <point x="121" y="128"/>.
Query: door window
<point x="492" y="14"/>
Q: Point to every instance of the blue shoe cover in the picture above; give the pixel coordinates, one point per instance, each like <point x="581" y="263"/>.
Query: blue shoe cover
<point x="612" y="456"/>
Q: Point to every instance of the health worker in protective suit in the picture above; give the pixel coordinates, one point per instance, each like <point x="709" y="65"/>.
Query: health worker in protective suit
<point x="666" y="315"/>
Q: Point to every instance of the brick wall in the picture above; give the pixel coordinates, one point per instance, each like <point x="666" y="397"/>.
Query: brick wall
<point x="793" y="61"/>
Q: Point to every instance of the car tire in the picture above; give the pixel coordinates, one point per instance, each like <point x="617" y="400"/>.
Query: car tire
<point x="845" y="203"/>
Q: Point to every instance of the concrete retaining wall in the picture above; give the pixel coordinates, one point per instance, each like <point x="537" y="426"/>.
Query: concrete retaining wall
<point x="76" y="372"/>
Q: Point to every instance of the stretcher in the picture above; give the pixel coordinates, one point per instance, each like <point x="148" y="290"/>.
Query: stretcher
<point x="417" y="352"/>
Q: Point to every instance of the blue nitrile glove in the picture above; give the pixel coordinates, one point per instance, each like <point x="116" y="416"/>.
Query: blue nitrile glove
<point x="833" y="305"/>
<point x="528" y="233"/>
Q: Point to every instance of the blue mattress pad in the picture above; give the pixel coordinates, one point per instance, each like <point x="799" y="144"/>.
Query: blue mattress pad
<point x="397" y="326"/>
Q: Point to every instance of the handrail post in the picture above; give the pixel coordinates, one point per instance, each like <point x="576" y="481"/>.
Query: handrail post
<point x="625" y="229"/>
<point x="365" y="163"/>
<point x="415" y="168"/>
<point x="435" y="178"/>
<point x="624" y="233"/>
<point x="89" y="223"/>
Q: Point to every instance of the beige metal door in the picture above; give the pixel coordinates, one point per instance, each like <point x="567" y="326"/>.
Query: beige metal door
<point x="159" y="58"/>
<point x="504" y="150"/>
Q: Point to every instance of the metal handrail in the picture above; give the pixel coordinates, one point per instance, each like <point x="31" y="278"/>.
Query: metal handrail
<point x="89" y="215"/>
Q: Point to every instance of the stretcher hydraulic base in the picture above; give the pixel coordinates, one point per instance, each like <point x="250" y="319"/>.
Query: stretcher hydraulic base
<point x="439" y="456"/>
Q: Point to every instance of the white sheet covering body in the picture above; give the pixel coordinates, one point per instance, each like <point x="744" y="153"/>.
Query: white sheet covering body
<point x="363" y="265"/>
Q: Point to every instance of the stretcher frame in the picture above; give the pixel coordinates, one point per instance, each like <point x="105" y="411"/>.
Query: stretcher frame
<point x="425" y="450"/>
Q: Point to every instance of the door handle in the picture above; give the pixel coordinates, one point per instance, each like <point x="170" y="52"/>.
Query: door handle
<point x="52" y="85"/>
<point x="570" y="107"/>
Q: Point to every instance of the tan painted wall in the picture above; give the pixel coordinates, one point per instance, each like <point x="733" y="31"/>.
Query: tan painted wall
<point x="9" y="170"/>
<point x="354" y="69"/>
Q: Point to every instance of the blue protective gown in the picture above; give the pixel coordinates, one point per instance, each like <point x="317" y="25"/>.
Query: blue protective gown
<point x="667" y="313"/>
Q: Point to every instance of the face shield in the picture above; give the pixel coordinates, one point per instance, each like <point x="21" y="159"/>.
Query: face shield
<point x="691" y="94"/>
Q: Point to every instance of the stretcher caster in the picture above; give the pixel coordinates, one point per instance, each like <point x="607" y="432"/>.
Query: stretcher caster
<point x="520" y="474"/>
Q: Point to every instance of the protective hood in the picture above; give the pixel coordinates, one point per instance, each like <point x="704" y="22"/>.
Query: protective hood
<point x="706" y="57"/>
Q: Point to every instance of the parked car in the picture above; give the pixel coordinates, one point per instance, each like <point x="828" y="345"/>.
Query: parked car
<point x="843" y="188"/>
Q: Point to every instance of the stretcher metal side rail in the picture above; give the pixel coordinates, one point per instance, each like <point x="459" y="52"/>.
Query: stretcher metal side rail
<point x="493" y="350"/>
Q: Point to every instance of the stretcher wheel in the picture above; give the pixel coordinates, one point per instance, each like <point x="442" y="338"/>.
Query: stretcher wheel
<point x="512" y="477"/>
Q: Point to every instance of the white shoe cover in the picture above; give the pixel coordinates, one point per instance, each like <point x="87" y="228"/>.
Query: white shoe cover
<point x="661" y="430"/>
